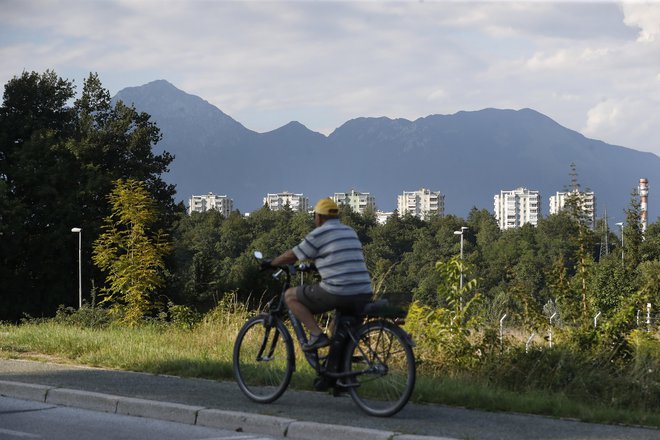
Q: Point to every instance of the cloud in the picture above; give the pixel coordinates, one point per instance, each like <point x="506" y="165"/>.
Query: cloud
<point x="588" y="66"/>
<point x="645" y="17"/>
<point x="629" y="122"/>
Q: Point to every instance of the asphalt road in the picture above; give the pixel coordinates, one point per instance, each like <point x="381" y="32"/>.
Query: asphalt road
<point x="28" y="420"/>
<point x="431" y="420"/>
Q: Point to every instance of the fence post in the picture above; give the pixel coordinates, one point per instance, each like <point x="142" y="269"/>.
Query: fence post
<point x="528" y="342"/>
<point x="502" y="332"/>
<point x="550" y="329"/>
<point x="648" y="317"/>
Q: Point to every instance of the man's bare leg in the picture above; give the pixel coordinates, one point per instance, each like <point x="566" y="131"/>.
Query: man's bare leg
<point x="301" y="311"/>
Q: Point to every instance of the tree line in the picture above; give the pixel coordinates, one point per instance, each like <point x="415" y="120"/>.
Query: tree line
<point x="62" y="159"/>
<point x="528" y="273"/>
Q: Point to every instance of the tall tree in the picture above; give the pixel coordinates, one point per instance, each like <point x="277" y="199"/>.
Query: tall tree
<point x="632" y="233"/>
<point x="131" y="252"/>
<point x="36" y="207"/>
<point x="116" y="142"/>
<point x="574" y="205"/>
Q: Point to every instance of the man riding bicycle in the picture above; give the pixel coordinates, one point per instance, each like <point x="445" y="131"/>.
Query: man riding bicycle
<point x="345" y="282"/>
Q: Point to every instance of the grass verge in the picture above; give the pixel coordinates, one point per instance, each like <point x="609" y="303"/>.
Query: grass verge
<point x="206" y="350"/>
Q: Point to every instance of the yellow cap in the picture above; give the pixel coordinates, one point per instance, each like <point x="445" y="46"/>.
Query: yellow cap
<point x="326" y="207"/>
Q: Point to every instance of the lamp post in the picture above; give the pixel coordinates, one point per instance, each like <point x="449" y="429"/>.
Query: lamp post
<point x="79" y="232"/>
<point x="463" y="228"/>
<point x="620" y="224"/>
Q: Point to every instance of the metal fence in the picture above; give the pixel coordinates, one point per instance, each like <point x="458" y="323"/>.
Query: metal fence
<point x="647" y="319"/>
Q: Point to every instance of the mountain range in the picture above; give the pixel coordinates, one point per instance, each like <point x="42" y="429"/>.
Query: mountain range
<point x="467" y="156"/>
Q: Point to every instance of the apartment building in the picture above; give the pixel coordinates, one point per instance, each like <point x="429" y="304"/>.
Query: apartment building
<point x="422" y="203"/>
<point x="223" y="204"/>
<point x="358" y="201"/>
<point x="277" y="201"/>
<point x="517" y="207"/>
<point x="586" y="202"/>
<point x="382" y="216"/>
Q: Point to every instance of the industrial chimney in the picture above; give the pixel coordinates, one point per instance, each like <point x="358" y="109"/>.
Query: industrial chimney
<point x="644" y="196"/>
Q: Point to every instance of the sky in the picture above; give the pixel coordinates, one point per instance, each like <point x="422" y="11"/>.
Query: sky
<point x="592" y="67"/>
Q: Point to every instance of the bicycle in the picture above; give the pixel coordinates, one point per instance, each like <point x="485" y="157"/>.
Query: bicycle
<point x="370" y="355"/>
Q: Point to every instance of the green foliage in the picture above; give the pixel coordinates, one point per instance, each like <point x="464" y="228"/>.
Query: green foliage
<point x="610" y="284"/>
<point x="632" y="233"/>
<point x="445" y="334"/>
<point x="57" y="165"/>
<point x="130" y="252"/>
<point x="87" y="316"/>
<point x="650" y="247"/>
<point x="183" y="316"/>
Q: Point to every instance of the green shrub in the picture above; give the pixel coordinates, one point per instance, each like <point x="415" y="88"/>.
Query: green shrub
<point x="183" y="316"/>
<point x="87" y="316"/>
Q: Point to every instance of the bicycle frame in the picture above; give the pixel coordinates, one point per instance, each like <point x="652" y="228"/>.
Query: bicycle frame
<point x="280" y="311"/>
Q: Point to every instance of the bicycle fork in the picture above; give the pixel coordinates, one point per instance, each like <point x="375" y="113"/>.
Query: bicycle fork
<point x="264" y="344"/>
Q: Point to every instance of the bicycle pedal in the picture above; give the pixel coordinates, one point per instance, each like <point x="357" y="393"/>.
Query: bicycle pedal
<point x="322" y="384"/>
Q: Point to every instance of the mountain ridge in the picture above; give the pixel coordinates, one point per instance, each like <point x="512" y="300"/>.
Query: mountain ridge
<point x="469" y="156"/>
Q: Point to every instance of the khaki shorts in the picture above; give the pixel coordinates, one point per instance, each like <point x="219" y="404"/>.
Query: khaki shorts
<point x="317" y="300"/>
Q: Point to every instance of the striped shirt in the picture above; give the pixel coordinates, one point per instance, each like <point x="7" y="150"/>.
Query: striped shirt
<point x="337" y="254"/>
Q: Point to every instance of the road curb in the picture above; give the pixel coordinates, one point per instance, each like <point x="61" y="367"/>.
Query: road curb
<point x="197" y="415"/>
<point x="313" y="431"/>
<point x="172" y="412"/>
<point x="244" y="422"/>
<point x="25" y="391"/>
<point x="82" y="399"/>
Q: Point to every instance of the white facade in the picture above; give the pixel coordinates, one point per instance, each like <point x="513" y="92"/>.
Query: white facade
<point x="223" y="204"/>
<point x="517" y="207"/>
<point x="587" y="201"/>
<point x="423" y="203"/>
<point x="381" y="216"/>
<point x="358" y="201"/>
<point x="297" y="202"/>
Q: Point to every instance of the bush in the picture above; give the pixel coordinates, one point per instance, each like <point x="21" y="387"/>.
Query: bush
<point x="183" y="316"/>
<point x="87" y="316"/>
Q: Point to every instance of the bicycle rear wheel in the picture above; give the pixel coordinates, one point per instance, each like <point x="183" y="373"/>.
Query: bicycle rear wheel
<point x="383" y="359"/>
<point x="263" y="359"/>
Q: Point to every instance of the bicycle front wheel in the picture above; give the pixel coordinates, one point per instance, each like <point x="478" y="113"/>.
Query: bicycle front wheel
<point x="384" y="366"/>
<point x="263" y="359"/>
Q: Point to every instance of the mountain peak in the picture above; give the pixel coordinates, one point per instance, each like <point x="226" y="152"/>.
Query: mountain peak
<point x="160" y="83"/>
<point x="293" y="127"/>
<point x="292" y="132"/>
<point x="181" y="116"/>
<point x="157" y="86"/>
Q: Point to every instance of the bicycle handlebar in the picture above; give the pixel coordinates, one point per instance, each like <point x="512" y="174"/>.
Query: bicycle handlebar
<point x="289" y="269"/>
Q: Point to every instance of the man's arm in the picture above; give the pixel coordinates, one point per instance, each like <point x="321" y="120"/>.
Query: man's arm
<point x="287" y="257"/>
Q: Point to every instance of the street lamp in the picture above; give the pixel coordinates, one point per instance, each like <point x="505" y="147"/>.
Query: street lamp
<point x="463" y="228"/>
<point x="79" y="232"/>
<point x="620" y="224"/>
